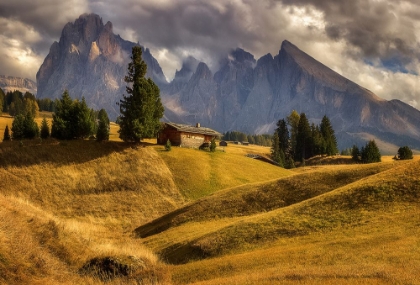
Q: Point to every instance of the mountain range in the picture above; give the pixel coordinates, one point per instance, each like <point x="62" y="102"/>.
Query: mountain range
<point x="12" y="83"/>
<point x="244" y="94"/>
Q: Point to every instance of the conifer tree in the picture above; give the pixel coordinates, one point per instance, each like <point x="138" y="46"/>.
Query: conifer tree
<point x="6" y="136"/>
<point x="355" y="153"/>
<point x="30" y="129"/>
<point x="303" y="139"/>
<point x="293" y="122"/>
<point x="102" y="133"/>
<point x="275" y="150"/>
<point x="84" y="121"/>
<point x="18" y="127"/>
<point x="328" y="135"/>
<point x="141" y="109"/>
<point x="405" y="153"/>
<point x="45" y="129"/>
<point x="283" y="134"/>
<point x="62" y="122"/>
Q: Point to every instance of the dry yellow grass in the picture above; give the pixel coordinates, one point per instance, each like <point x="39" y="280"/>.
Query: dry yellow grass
<point x="199" y="173"/>
<point x="362" y="232"/>
<point x="64" y="205"/>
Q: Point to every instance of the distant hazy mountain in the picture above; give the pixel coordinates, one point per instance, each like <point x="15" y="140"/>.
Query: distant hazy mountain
<point x="245" y="94"/>
<point x="11" y="83"/>
<point x="90" y="61"/>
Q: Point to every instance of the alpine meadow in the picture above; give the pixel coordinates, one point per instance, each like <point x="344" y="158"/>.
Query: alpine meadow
<point x="236" y="168"/>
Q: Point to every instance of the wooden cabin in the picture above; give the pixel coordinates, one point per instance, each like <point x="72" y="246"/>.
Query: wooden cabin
<point x="186" y="135"/>
<point x="223" y="143"/>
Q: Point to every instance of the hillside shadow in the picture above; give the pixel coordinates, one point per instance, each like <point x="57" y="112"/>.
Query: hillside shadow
<point x="33" y="152"/>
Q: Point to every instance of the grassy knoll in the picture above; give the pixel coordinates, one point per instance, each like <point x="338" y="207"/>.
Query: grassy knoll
<point x="71" y="203"/>
<point x="256" y="198"/>
<point x="363" y="231"/>
<point x="199" y="173"/>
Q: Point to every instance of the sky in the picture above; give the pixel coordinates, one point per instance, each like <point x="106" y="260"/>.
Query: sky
<point x="375" y="43"/>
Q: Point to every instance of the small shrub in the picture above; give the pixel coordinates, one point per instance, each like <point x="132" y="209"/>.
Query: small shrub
<point x="213" y="145"/>
<point x="168" y="145"/>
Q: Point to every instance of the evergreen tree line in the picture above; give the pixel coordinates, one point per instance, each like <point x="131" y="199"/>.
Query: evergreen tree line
<point x="17" y="103"/>
<point x="367" y="154"/>
<point x="264" y="140"/>
<point x="295" y="139"/>
<point x="73" y="119"/>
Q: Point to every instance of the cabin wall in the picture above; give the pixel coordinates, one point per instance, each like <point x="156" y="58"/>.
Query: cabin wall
<point x="192" y="140"/>
<point x="173" y="135"/>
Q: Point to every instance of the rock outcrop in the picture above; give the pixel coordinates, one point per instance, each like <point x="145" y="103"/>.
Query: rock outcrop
<point x="91" y="61"/>
<point x="12" y="83"/>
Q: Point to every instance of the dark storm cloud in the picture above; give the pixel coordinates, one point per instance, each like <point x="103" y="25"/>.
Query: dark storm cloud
<point x="46" y="17"/>
<point x="382" y="29"/>
<point x="210" y="27"/>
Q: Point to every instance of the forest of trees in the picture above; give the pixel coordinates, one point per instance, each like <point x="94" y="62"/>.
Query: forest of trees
<point x="72" y="119"/>
<point x="264" y="140"/>
<point x="295" y="139"/>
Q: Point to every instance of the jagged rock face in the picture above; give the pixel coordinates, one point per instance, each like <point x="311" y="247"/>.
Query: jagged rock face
<point x="90" y="61"/>
<point x="251" y="97"/>
<point x="11" y="83"/>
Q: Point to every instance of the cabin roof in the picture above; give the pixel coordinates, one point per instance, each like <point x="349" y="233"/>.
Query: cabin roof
<point x="193" y="129"/>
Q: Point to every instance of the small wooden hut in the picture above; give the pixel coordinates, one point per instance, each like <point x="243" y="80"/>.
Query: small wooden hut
<point x="186" y="135"/>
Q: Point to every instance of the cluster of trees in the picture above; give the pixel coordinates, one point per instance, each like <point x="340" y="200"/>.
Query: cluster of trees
<point x="17" y="103"/>
<point x="367" y="154"/>
<point x="264" y="140"/>
<point x="296" y="140"/>
<point x="73" y="119"/>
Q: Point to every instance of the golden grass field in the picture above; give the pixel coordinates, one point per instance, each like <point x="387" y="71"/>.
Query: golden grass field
<point x="72" y="212"/>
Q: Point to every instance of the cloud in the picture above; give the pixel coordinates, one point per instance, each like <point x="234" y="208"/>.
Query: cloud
<point x="374" y="43"/>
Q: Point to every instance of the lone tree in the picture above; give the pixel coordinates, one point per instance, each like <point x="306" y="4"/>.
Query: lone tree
<point x="405" y="153"/>
<point x="141" y="109"/>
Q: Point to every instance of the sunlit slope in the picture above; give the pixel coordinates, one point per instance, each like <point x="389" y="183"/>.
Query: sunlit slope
<point x="110" y="182"/>
<point x="199" y="173"/>
<point x="319" y="203"/>
<point x="256" y="198"/>
<point x="365" y="232"/>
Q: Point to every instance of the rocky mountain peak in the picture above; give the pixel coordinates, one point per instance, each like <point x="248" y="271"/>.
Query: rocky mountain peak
<point x="91" y="61"/>
<point x="203" y="71"/>
<point x="241" y="55"/>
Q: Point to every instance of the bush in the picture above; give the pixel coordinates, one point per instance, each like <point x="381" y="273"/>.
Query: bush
<point x="213" y="145"/>
<point x="168" y="145"/>
<point x="405" y="153"/>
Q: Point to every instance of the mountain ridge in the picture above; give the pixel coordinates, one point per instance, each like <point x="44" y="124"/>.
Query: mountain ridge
<point x="243" y="94"/>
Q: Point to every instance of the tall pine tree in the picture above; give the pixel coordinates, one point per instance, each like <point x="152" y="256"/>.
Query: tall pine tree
<point x="102" y="133"/>
<point x="303" y="139"/>
<point x="328" y="135"/>
<point x="141" y="109"/>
